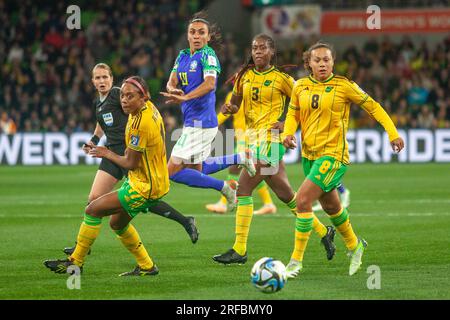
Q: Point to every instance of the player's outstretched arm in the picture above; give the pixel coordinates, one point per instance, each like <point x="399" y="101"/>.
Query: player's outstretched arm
<point x="130" y="160"/>
<point x="205" y="87"/>
<point x="172" y="85"/>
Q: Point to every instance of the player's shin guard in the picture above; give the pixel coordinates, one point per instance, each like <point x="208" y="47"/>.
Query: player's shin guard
<point x="264" y="194"/>
<point x="303" y="227"/>
<point x="89" y="231"/>
<point x="244" y="214"/>
<point x="131" y="240"/>
<point x="342" y="223"/>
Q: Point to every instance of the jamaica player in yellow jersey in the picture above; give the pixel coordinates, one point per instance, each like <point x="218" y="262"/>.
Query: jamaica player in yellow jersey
<point x="320" y="105"/>
<point x="148" y="181"/>
<point x="234" y="171"/>
<point x="261" y="90"/>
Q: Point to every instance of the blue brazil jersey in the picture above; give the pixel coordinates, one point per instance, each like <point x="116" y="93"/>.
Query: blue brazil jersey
<point x="191" y="71"/>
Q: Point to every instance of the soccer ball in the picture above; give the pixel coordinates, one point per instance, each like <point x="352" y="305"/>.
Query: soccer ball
<point x="268" y="275"/>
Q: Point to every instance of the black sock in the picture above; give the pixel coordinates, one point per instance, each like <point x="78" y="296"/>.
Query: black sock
<point x="163" y="209"/>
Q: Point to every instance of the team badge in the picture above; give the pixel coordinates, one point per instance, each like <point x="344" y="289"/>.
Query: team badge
<point x="267" y="83"/>
<point x="212" y="61"/>
<point x="328" y="89"/>
<point x="108" y="119"/>
<point x="134" y="141"/>
<point x="193" y="66"/>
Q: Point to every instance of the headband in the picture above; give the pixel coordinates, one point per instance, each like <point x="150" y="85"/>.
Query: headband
<point x="200" y="20"/>
<point x="138" y="85"/>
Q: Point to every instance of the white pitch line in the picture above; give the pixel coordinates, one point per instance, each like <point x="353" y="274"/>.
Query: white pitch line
<point x="405" y="201"/>
<point x="43" y="200"/>
<point x="232" y="216"/>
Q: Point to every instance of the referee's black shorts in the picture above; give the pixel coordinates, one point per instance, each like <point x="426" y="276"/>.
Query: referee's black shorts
<point x="112" y="168"/>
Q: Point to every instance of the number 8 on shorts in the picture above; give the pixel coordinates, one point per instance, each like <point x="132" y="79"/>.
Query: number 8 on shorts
<point x="326" y="172"/>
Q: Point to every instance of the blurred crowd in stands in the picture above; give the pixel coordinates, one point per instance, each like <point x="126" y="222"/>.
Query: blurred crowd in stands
<point x="410" y="82"/>
<point x="45" y="68"/>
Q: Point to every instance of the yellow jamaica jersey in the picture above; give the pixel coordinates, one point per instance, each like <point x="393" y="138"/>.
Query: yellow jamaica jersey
<point x="145" y="133"/>
<point x="322" y="110"/>
<point x="263" y="101"/>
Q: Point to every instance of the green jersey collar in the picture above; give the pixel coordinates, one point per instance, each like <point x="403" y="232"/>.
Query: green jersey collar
<point x="264" y="72"/>
<point x="317" y="81"/>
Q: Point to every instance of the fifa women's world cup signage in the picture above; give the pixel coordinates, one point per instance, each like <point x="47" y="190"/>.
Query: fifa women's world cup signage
<point x="304" y="20"/>
<point x="366" y="145"/>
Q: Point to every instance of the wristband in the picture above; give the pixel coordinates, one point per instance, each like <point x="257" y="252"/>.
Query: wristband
<point x="95" y="139"/>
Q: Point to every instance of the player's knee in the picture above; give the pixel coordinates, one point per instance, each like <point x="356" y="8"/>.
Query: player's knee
<point x="173" y="166"/>
<point x="304" y="204"/>
<point x="89" y="210"/>
<point x="93" y="196"/>
<point x="331" y="208"/>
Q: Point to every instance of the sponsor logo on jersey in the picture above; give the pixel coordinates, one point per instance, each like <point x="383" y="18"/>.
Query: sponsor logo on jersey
<point x="134" y="140"/>
<point x="108" y="119"/>
<point x="193" y="66"/>
<point x="317" y="177"/>
<point x="267" y="83"/>
<point x="328" y="89"/>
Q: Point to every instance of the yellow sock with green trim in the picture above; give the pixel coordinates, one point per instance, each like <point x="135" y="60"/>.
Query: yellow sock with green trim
<point x="244" y="214"/>
<point x="264" y="193"/>
<point x="342" y="223"/>
<point x="318" y="226"/>
<point x="292" y="205"/>
<point x="131" y="240"/>
<point x="89" y="231"/>
<point x="303" y="227"/>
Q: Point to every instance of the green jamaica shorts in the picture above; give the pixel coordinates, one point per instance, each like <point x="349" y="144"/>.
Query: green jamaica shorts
<point x="326" y="172"/>
<point x="132" y="201"/>
<point x="269" y="152"/>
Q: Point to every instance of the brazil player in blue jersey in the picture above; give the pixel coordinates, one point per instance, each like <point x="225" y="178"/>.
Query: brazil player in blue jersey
<point x="192" y="83"/>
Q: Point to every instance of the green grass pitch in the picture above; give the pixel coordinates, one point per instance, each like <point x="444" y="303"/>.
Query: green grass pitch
<point x="402" y="210"/>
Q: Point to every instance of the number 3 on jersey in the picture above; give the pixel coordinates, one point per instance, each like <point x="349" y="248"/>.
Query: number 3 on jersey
<point x="184" y="78"/>
<point x="255" y="94"/>
<point x="315" y="101"/>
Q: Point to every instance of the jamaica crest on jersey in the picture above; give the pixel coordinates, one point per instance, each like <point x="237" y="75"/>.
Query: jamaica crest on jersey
<point x="108" y="119"/>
